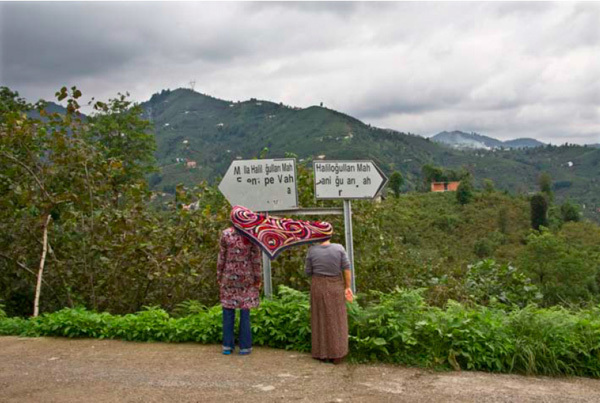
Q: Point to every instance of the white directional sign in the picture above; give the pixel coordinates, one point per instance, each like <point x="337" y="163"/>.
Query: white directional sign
<point x="347" y="179"/>
<point x="261" y="185"/>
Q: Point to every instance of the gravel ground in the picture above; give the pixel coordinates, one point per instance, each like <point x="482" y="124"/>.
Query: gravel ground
<point x="65" y="370"/>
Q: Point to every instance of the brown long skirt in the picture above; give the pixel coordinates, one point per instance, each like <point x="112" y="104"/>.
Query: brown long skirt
<point x="329" y="319"/>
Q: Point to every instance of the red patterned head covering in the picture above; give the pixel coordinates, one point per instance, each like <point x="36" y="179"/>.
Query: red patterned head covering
<point x="273" y="235"/>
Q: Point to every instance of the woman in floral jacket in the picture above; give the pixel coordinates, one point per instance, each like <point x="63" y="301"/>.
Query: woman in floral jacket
<point x="239" y="277"/>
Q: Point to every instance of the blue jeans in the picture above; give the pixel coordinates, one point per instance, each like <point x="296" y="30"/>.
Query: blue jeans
<point x="245" y="338"/>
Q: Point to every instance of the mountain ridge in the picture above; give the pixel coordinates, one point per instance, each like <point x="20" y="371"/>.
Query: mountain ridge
<point x="462" y="140"/>
<point x="210" y="133"/>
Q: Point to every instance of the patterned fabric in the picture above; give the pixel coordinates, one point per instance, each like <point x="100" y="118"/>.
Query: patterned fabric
<point x="328" y="317"/>
<point x="238" y="271"/>
<point x="274" y="235"/>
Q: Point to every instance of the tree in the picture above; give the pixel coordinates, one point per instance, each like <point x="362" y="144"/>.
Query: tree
<point x="396" y="182"/>
<point x="61" y="176"/>
<point x="545" y="184"/>
<point x="124" y="138"/>
<point x="569" y="212"/>
<point x="464" y="193"/>
<point x="539" y="211"/>
<point x="432" y="173"/>
<point x="488" y="186"/>
<point x="44" y="160"/>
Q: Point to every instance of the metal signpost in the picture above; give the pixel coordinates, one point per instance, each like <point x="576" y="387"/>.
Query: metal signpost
<point x="270" y="186"/>
<point x="262" y="185"/>
<point x="348" y="180"/>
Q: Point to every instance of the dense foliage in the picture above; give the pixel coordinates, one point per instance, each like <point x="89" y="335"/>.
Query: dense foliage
<point x="83" y="180"/>
<point x="396" y="327"/>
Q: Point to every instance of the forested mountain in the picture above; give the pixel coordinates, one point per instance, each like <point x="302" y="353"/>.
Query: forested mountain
<point x="461" y="140"/>
<point x="209" y="133"/>
<point x="522" y="143"/>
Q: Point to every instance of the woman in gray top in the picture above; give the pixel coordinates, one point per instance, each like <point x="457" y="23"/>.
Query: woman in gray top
<point x="329" y="268"/>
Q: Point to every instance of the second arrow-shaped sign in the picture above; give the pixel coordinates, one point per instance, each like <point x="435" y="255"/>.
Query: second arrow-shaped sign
<point x="347" y="180"/>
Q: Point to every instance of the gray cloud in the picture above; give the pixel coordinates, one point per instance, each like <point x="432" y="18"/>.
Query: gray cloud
<point x="506" y="70"/>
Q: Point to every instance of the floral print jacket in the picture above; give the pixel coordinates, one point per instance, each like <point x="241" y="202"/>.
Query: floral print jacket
<point x="238" y="271"/>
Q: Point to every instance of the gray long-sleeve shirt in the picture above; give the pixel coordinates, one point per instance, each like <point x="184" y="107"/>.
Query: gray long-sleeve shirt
<point x="326" y="260"/>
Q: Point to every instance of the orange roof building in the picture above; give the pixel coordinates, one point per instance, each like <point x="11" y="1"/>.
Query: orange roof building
<point x="444" y="186"/>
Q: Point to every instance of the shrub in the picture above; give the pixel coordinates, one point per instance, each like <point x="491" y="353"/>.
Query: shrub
<point x="488" y="281"/>
<point x="565" y="273"/>
<point x="464" y="193"/>
<point x="570" y="212"/>
<point x="483" y="248"/>
<point x="488" y="186"/>
<point x="284" y="321"/>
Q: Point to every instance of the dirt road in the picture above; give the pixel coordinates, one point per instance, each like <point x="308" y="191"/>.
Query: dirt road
<point x="64" y="370"/>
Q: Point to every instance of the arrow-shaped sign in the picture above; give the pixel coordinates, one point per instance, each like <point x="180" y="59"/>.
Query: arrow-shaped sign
<point x="347" y="180"/>
<point x="261" y="185"/>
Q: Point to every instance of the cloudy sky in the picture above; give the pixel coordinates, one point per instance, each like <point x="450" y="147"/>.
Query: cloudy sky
<point x="502" y="69"/>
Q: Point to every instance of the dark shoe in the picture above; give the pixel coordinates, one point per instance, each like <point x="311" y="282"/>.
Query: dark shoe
<point x="337" y="361"/>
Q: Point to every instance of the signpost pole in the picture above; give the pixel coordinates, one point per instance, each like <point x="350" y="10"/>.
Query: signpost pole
<point x="349" y="242"/>
<point x="268" y="284"/>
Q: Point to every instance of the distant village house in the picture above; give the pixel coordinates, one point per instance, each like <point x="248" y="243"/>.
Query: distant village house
<point x="444" y="186"/>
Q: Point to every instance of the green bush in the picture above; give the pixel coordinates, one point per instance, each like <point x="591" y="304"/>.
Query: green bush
<point x="488" y="281"/>
<point x="397" y="327"/>
<point x="18" y="326"/>
<point x="570" y="212"/>
<point x="464" y="193"/>
<point x="565" y="272"/>
<point x="483" y="248"/>
<point x="283" y="322"/>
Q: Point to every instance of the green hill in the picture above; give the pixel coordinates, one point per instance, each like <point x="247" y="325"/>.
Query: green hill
<point x="211" y="132"/>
